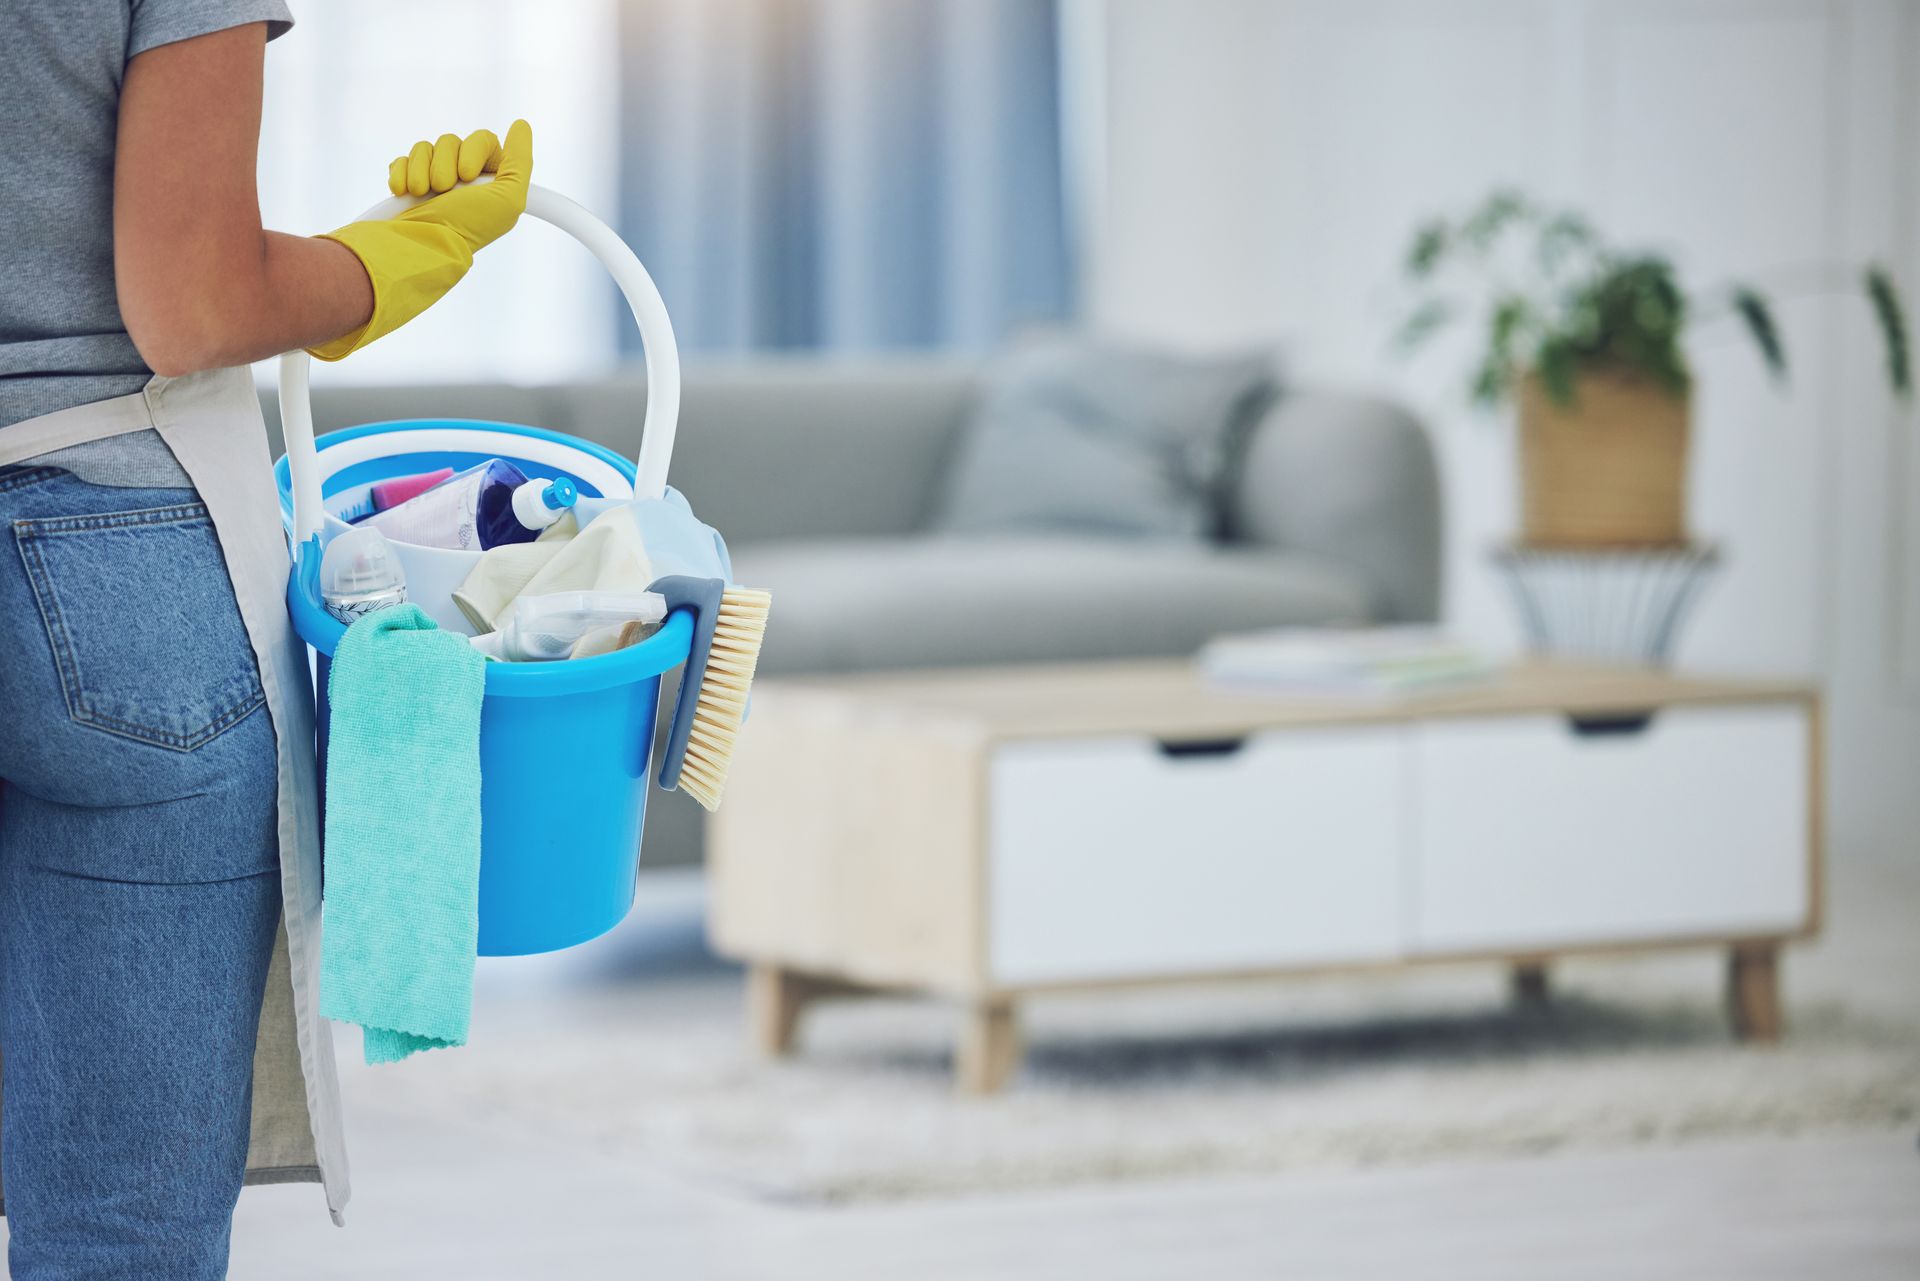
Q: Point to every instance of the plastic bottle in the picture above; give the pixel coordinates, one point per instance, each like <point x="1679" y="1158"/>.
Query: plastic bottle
<point x="392" y="492"/>
<point x="360" y="573"/>
<point x="487" y="505"/>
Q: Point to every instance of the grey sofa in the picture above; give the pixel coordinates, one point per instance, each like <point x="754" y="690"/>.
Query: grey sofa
<point x="825" y="480"/>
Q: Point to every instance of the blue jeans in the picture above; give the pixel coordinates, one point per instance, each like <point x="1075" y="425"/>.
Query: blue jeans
<point x="139" y="888"/>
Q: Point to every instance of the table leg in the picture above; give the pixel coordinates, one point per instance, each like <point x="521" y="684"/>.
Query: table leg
<point x="989" y="1047"/>
<point x="776" y="997"/>
<point x="1753" y="991"/>
<point x="1529" y="986"/>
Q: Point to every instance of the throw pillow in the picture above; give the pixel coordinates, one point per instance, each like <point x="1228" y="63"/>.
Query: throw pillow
<point x="1089" y="436"/>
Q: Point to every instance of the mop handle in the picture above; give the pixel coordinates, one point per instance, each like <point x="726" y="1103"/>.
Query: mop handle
<point x="636" y="286"/>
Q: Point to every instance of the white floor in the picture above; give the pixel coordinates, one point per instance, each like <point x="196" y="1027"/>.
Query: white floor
<point x="433" y="1200"/>
<point x="463" y="1203"/>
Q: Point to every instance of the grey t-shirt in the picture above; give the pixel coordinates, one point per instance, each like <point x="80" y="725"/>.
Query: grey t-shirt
<point x="61" y="63"/>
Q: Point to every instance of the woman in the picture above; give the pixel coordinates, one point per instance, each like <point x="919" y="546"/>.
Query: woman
<point x="157" y="833"/>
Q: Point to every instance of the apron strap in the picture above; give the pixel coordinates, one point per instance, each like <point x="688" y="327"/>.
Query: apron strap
<point x="80" y="425"/>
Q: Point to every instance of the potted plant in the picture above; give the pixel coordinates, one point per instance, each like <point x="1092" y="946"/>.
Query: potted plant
<point x="1586" y="338"/>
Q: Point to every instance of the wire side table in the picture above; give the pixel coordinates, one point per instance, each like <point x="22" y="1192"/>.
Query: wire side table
<point x="1606" y="604"/>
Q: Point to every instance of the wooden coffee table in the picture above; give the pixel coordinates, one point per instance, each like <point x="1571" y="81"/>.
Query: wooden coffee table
<point x="992" y="833"/>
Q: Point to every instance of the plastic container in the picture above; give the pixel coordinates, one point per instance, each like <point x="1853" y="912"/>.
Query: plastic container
<point x="546" y="628"/>
<point x="486" y="506"/>
<point x="391" y="493"/>
<point x="564" y="747"/>
<point x="359" y="574"/>
<point x="346" y="462"/>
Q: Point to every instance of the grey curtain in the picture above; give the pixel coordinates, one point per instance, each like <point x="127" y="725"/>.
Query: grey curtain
<point x="845" y="174"/>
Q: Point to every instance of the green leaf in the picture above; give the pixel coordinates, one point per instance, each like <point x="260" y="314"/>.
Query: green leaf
<point x="1893" y="328"/>
<point x="1757" y="314"/>
<point x="1555" y="365"/>
<point x="1562" y="236"/>
<point x="1486" y="223"/>
<point x="1428" y="317"/>
<point x="1509" y="314"/>
<point x="1490" y="383"/>
<point x="1429" y="246"/>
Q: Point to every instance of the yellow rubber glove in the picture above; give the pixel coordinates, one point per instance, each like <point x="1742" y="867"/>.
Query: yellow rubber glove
<point x="415" y="257"/>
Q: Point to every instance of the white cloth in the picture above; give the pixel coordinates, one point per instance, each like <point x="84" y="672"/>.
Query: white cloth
<point x="607" y="556"/>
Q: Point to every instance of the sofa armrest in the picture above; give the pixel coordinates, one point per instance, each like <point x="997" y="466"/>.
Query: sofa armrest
<point x="1350" y="479"/>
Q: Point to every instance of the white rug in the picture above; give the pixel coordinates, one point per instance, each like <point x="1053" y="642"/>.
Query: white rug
<point x="1168" y="1082"/>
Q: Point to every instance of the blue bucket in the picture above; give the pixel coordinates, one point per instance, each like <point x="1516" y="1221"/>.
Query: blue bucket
<point x="564" y="747"/>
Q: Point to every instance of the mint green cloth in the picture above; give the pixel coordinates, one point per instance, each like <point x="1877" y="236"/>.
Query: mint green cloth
<point x="401" y="921"/>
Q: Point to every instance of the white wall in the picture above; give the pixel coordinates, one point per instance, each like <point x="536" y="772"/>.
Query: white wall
<point x="357" y="82"/>
<point x="1260" y="165"/>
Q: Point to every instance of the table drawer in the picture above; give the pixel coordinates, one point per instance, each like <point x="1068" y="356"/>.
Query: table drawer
<point x="1530" y="833"/>
<point x="1113" y="857"/>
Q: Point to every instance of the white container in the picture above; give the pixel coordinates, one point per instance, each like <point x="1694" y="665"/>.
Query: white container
<point x="435" y="573"/>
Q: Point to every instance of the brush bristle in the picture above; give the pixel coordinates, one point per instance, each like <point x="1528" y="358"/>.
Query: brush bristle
<point x="721" y="704"/>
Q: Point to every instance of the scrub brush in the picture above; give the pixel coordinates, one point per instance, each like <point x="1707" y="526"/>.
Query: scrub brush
<point x="730" y="623"/>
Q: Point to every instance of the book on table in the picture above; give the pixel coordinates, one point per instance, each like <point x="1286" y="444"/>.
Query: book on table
<point x="1373" y="661"/>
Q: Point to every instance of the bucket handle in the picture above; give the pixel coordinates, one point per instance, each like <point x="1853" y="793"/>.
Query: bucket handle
<point x="636" y="286"/>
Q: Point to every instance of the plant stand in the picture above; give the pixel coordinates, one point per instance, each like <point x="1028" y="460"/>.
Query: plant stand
<point x="1611" y="605"/>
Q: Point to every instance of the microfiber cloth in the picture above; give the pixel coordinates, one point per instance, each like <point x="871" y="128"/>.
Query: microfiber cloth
<point x="401" y="923"/>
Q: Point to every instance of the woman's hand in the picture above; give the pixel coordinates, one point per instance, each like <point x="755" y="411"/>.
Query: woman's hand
<point x="433" y="167"/>
<point x="416" y="256"/>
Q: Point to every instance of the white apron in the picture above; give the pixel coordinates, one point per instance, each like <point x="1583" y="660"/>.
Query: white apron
<point x="211" y="422"/>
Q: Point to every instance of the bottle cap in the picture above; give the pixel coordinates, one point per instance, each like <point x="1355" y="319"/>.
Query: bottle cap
<point x="539" y="503"/>
<point x="361" y="572"/>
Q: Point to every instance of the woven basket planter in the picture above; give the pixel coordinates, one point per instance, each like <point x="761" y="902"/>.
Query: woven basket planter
<point x="1610" y="471"/>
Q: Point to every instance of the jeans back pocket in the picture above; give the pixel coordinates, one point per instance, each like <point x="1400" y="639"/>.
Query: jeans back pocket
<point x="145" y="631"/>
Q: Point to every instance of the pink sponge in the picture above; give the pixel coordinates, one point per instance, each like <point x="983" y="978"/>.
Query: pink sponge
<point x="391" y="493"/>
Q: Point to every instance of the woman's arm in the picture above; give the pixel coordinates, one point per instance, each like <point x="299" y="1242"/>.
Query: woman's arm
<point x="202" y="285"/>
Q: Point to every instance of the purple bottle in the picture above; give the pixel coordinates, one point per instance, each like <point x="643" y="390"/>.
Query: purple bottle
<point x="487" y="505"/>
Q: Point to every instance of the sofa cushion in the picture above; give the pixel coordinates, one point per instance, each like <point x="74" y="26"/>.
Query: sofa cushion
<point x="797" y="448"/>
<point x="1083" y="436"/>
<point x="857" y="604"/>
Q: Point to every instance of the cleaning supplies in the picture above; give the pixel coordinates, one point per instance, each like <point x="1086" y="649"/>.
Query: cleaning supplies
<point x="360" y="573"/>
<point x="730" y="627"/>
<point x="676" y="541"/>
<point x="605" y="640"/>
<point x="488" y="505"/>
<point x="391" y="493"/>
<point x="402" y="833"/>
<point x="419" y="254"/>
<point x="606" y="555"/>
<point x="548" y="627"/>
<point x="502" y="573"/>
<point x="660" y="543"/>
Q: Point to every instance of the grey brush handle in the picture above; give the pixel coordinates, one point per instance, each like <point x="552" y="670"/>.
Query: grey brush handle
<point x="702" y="596"/>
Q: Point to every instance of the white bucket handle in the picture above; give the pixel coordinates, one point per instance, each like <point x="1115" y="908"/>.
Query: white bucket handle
<point x="649" y="312"/>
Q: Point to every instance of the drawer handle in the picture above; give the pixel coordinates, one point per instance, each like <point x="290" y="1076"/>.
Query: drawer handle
<point x="1202" y="748"/>
<point x="1611" y="725"/>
